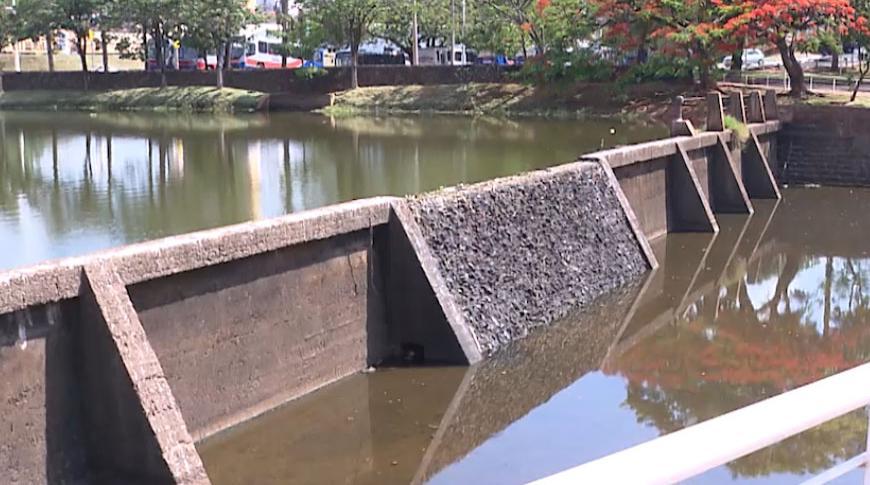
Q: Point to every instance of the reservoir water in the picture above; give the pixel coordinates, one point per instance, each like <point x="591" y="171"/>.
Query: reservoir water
<point x="73" y="183"/>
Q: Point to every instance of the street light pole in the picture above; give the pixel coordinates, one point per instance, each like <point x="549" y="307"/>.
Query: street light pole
<point x="415" y="49"/>
<point x="15" y="52"/>
<point x="464" y="46"/>
<point x="452" y="32"/>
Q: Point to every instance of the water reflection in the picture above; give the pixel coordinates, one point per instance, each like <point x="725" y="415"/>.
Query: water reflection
<point x="74" y="183"/>
<point x="774" y="301"/>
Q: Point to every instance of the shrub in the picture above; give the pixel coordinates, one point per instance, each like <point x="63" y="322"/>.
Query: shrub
<point x="659" y="68"/>
<point x="558" y="67"/>
<point x="310" y="72"/>
<point x="740" y="130"/>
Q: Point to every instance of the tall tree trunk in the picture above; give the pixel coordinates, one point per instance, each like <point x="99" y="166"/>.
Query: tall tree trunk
<point x="523" y="44"/>
<point x="228" y="62"/>
<point x="354" y="65"/>
<point x="220" y="71"/>
<point x="160" y="52"/>
<point x="704" y="68"/>
<point x="643" y="46"/>
<point x="145" y="43"/>
<point x="863" y="68"/>
<point x="737" y="56"/>
<point x="792" y="67"/>
<point x="82" y="46"/>
<point x="104" y="44"/>
<point x="285" y="31"/>
<point x="49" y="49"/>
<point x="835" y="62"/>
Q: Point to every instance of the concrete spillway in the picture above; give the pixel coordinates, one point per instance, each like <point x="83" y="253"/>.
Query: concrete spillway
<point x="118" y="362"/>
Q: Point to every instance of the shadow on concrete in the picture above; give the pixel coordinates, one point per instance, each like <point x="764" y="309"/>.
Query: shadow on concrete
<point x="40" y="415"/>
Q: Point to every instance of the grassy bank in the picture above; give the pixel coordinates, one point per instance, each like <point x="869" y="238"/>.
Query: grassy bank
<point x="199" y="99"/>
<point x="65" y="62"/>
<point x="579" y="100"/>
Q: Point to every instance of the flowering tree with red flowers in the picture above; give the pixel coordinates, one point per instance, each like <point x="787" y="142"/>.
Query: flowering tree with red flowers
<point x="787" y="23"/>
<point x="692" y="28"/>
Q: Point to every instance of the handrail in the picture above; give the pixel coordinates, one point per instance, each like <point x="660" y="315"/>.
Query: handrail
<point x="702" y="447"/>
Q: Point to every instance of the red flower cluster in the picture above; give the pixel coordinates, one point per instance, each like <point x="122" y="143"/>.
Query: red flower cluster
<point x="776" y="19"/>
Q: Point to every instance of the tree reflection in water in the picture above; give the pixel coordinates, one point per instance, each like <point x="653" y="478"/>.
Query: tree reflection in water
<point x="73" y="183"/>
<point x="791" y="320"/>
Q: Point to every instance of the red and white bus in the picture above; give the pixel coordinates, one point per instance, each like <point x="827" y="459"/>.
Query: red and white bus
<point x="262" y="49"/>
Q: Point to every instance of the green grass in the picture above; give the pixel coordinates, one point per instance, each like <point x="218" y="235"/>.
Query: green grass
<point x="192" y="99"/>
<point x="501" y="99"/>
<point x="739" y="129"/>
<point x="66" y="62"/>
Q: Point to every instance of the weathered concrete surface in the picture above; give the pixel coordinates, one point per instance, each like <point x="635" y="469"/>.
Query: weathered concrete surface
<point x="755" y="112"/>
<point x="645" y="186"/>
<point x="649" y="171"/>
<point x="521" y="252"/>
<point x="136" y="432"/>
<point x="758" y="177"/>
<point x="422" y="310"/>
<point x="827" y="145"/>
<point x="727" y="193"/>
<point x="41" y="430"/>
<point x="61" y="280"/>
<point x="688" y="207"/>
<point x="240" y="338"/>
<point x="646" y="171"/>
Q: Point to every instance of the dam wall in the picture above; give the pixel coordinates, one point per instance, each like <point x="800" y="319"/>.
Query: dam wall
<point x="826" y="145"/>
<point x="511" y="263"/>
<point x="118" y="362"/>
<point x="679" y="184"/>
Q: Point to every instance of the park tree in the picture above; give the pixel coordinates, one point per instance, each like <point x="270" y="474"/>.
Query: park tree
<point x="9" y="28"/>
<point x="211" y="25"/>
<point x="692" y="28"/>
<point x="39" y="19"/>
<point x="860" y="34"/>
<point x="346" y="22"/>
<point x="286" y="21"/>
<point x="161" y="20"/>
<point x="395" y="25"/>
<point x="789" y="24"/>
<point x="80" y="17"/>
<point x="627" y="26"/>
<point x="519" y="13"/>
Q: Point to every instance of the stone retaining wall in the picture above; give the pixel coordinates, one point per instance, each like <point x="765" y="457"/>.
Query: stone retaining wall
<point x="827" y="145"/>
<point x="521" y="252"/>
<point x="268" y="81"/>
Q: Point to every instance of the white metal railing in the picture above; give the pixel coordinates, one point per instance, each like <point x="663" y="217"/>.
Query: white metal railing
<point x="813" y="82"/>
<point x="713" y="443"/>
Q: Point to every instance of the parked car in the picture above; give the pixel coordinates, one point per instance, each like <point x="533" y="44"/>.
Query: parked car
<point x="752" y="59"/>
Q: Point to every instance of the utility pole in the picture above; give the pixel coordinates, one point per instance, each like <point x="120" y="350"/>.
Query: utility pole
<point x="452" y="32"/>
<point x="15" y="52"/>
<point x="415" y="33"/>
<point x="462" y="32"/>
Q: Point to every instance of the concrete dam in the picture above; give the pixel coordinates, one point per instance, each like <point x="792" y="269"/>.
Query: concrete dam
<point x="116" y="364"/>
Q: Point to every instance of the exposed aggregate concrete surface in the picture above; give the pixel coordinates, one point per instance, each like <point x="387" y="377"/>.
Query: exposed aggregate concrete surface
<point x="521" y="252"/>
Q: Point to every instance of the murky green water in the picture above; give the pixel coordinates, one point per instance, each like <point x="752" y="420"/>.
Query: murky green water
<point x="74" y="183"/>
<point x="774" y="301"/>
